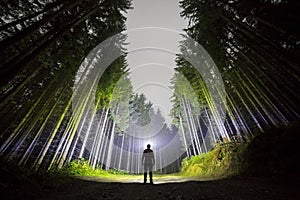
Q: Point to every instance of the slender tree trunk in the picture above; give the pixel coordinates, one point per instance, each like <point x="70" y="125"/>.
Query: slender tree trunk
<point x="15" y="68"/>
<point x="7" y="43"/>
<point x="46" y="9"/>
<point x="37" y="135"/>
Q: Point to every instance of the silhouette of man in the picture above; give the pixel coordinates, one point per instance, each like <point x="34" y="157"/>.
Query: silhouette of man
<point x="148" y="162"/>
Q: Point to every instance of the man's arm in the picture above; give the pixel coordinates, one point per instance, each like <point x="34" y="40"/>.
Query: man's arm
<point x="153" y="159"/>
<point x="143" y="158"/>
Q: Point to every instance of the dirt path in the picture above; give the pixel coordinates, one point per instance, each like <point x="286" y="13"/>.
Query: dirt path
<point x="176" y="188"/>
<point x="250" y="188"/>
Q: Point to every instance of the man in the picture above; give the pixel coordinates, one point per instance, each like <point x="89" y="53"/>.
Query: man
<point x="148" y="162"/>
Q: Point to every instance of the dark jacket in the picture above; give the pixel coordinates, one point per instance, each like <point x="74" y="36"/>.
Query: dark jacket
<point x="148" y="157"/>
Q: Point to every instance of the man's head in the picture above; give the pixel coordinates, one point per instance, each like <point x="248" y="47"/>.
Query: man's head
<point x="148" y="146"/>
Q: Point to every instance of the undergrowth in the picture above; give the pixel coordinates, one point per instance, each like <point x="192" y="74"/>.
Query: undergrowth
<point x="81" y="167"/>
<point x="224" y="159"/>
<point x="271" y="152"/>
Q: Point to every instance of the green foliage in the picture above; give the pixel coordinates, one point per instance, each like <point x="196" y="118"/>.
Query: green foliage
<point x="140" y="110"/>
<point x="274" y="151"/>
<point x="225" y="159"/>
<point x="43" y="44"/>
<point x="245" y="40"/>
<point x="117" y="172"/>
<point x="81" y="167"/>
<point x="113" y="83"/>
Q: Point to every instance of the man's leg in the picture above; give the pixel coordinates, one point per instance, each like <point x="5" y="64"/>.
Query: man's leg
<point x="145" y="173"/>
<point x="150" y="174"/>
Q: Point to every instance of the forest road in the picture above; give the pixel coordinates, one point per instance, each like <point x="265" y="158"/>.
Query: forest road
<point x="232" y="188"/>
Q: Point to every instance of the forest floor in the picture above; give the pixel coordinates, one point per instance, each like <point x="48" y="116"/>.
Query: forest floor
<point x="164" y="187"/>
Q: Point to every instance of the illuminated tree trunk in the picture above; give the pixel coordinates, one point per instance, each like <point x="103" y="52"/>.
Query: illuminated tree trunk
<point x="121" y="151"/>
<point x="183" y="103"/>
<point x="37" y="135"/>
<point x="183" y="136"/>
<point x="101" y="139"/>
<point x="111" y="142"/>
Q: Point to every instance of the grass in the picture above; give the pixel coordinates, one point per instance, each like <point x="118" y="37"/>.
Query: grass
<point x="81" y="168"/>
